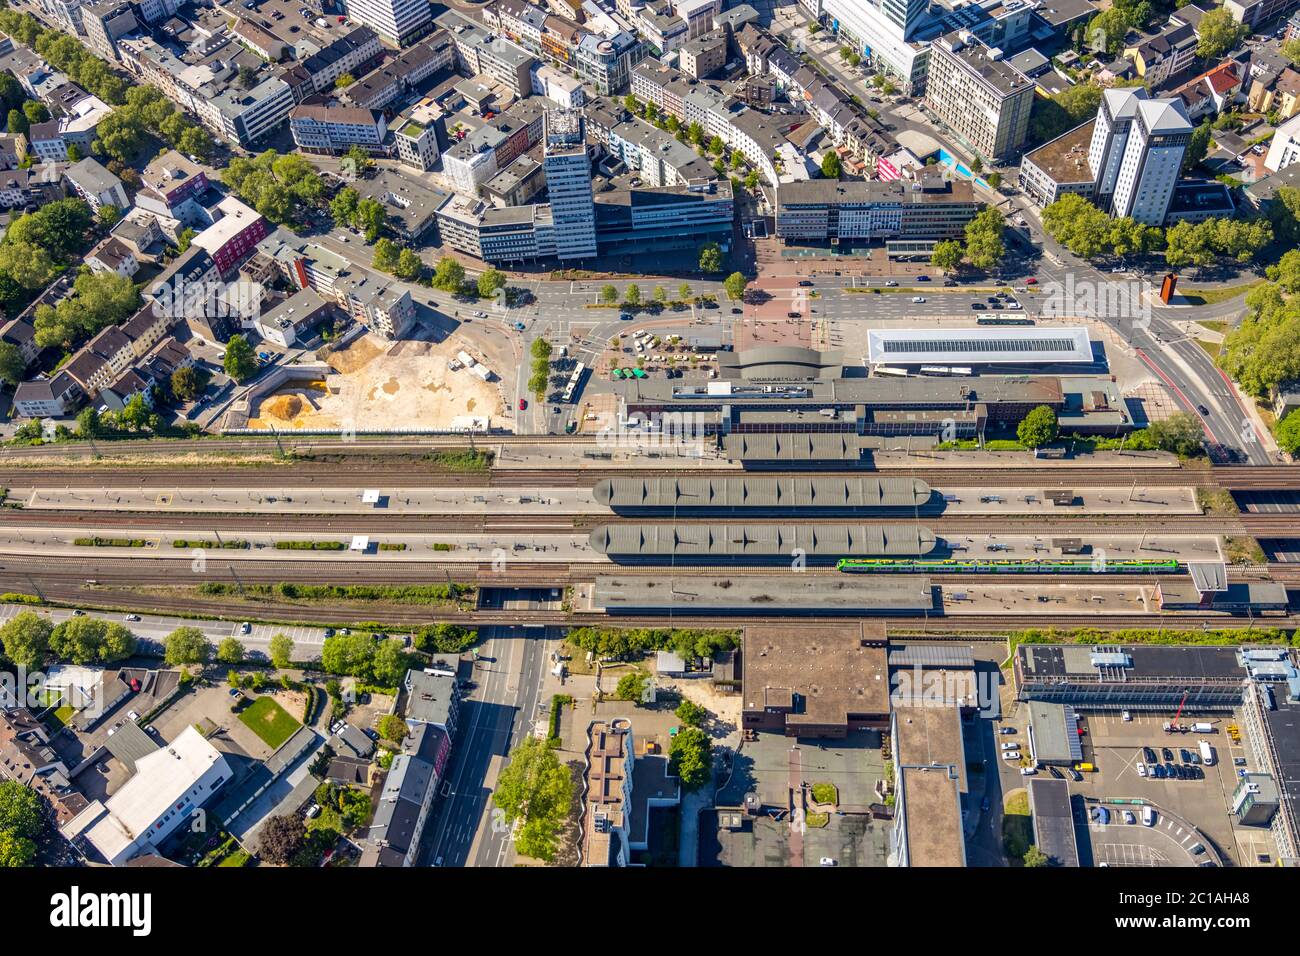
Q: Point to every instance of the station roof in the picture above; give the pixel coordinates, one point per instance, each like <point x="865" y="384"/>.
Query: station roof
<point x="821" y="594"/>
<point x="1056" y="732"/>
<point x="793" y="446"/>
<point x="762" y="540"/>
<point x="988" y="345"/>
<point x="761" y="492"/>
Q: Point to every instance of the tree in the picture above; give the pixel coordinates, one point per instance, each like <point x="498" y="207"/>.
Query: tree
<point x="185" y="384"/>
<point x="26" y="640"/>
<point x="89" y="424"/>
<point x="947" y="255"/>
<point x="994" y="180"/>
<point x="659" y="295"/>
<point x="711" y="257"/>
<point x="386" y="256"/>
<point x="230" y="651"/>
<point x="343" y="207"/>
<point x="631" y="104"/>
<point x="1054" y="115"/>
<point x="541" y="349"/>
<point x="1181" y="433"/>
<point x="91" y="640"/>
<point x="186" y="645"/>
<point x="690" y="758"/>
<point x="735" y="284"/>
<point x="695" y="133"/>
<point x="359" y="160"/>
<point x="18" y="122"/>
<point x="1038" y="428"/>
<point x="684" y="292"/>
<point x="691" y="713"/>
<point x="537" y="790"/>
<point x="135" y="415"/>
<point x="1078" y="225"/>
<point x="21" y="811"/>
<point x="633" y="295"/>
<point x="1197" y="147"/>
<point x="631" y="686"/>
<point x="409" y="265"/>
<point x="1218" y="33"/>
<point x="344" y="81"/>
<point x="281" y="838"/>
<point x="608" y="294"/>
<point x="15" y="851"/>
<point x="391" y="727"/>
<point x="12" y="364"/>
<point x="1291" y="50"/>
<point x="490" y="281"/>
<point x="390" y="663"/>
<point x="351" y="655"/>
<point x="371" y="218"/>
<point x="716" y="146"/>
<point x="449" y="275"/>
<point x="240" y="363"/>
<point x="445" y="638"/>
<point x="984" y="245"/>
<point x="281" y="650"/>
<point x="977" y="164"/>
<point x="832" y="166"/>
<point x="1035" y="857"/>
<point x="36" y="112"/>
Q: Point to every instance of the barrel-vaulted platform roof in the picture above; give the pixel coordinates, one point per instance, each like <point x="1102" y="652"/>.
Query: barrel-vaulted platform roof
<point x="737" y="492"/>
<point x="762" y="540"/>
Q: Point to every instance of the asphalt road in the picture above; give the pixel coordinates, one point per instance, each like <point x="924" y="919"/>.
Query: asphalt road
<point x="494" y="718"/>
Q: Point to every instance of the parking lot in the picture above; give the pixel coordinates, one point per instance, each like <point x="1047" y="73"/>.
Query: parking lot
<point x="1170" y="841"/>
<point x="1115" y="747"/>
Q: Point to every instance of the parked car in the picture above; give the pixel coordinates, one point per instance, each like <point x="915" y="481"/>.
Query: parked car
<point x="133" y="617"/>
<point x="918" y="298"/>
<point x="1011" y="745"/>
<point x="1011" y="755"/>
<point x="523" y="404"/>
<point x="1006" y="730"/>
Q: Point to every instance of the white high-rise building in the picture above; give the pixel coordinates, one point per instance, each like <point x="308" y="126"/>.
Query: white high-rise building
<point x="398" y="22"/>
<point x="882" y="31"/>
<point x="1153" y="157"/>
<point x="568" y="182"/>
<point x="1109" y="137"/>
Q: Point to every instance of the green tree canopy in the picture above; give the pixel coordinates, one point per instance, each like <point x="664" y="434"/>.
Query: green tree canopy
<point x="186" y="645"/>
<point x="91" y="640"/>
<point x="26" y="639"/>
<point x="281" y="650"/>
<point x="230" y="650"/>
<point x="240" y="362"/>
<point x="1038" y="428"/>
<point x="690" y="758"/>
<point x="537" y="789"/>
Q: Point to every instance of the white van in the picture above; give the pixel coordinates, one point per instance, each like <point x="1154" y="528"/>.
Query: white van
<point x="1148" y="816"/>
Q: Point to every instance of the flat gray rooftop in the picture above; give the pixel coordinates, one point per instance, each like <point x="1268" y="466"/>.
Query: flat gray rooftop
<point x="618" y="493"/>
<point x="762" y="540"/>
<point x="821" y="594"/>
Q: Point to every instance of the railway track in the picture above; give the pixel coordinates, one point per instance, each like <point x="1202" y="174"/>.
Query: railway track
<point x="1258" y="524"/>
<point x="405" y="471"/>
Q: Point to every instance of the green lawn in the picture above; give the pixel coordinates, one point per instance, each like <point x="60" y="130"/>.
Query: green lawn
<point x="1215" y="296"/>
<point x="269" y="721"/>
<point x="1017" y="827"/>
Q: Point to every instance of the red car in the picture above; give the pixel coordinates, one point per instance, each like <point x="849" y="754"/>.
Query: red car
<point x="523" y="404"/>
<point x="1031" y="281"/>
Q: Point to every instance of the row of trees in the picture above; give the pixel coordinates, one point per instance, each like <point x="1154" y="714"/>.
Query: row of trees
<point x="30" y="641"/>
<point x="66" y="54"/>
<point x="366" y="658"/>
<point x="1089" y="233"/>
<point x="22" y="821"/>
<point x="400" y="261"/>
<point x="1180" y="433"/>
<point x="1263" y="352"/>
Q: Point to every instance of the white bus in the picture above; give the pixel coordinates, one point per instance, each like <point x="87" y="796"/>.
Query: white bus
<point x="935" y="370"/>
<point x="885" y="370"/>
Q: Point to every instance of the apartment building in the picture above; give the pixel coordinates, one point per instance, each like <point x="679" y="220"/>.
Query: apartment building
<point x="415" y="134"/>
<point x="380" y="304"/>
<point x="1284" y="147"/>
<point x="822" y="210"/>
<point x="604" y="60"/>
<point x="13" y="149"/>
<point x="982" y="98"/>
<point x="105" y="23"/>
<point x="235" y="231"/>
<point x="396" y="78"/>
<point x="1110" y="135"/>
<point x="332" y="129"/>
<point x="1152" y="160"/>
<point x="1166" y="54"/>
<point x="168" y="786"/>
<point x="95" y="184"/>
<point x="704" y="55"/>
<point x="397" y="22"/>
<point x="47" y="397"/>
<point x="352" y="54"/>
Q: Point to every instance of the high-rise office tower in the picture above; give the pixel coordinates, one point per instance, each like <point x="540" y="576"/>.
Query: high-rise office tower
<point x="568" y="182"/>
<point x="1109" y="137"/>
<point x="398" y="22"/>
<point x="1153" y="157"/>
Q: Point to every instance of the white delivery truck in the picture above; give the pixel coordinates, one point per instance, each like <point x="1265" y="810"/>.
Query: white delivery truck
<point x="1207" y="753"/>
<point x="466" y="359"/>
<point x="1201" y="727"/>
